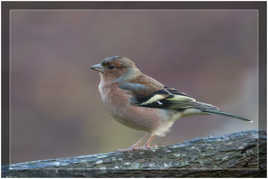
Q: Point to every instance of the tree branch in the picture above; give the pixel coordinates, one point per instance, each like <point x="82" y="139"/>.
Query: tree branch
<point x="241" y="154"/>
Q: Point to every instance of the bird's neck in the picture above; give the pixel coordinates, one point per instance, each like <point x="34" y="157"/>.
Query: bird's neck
<point x="107" y="80"/>
<point x="131" y="73"/>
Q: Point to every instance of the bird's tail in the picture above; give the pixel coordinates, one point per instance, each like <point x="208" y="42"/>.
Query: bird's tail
<point x="211" y="111"/>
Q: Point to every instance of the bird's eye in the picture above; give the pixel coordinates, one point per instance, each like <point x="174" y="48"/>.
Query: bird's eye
<point x="110" y="67"/>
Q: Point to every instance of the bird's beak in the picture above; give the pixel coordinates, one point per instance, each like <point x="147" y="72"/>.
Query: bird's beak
<point x="98" y="67"/>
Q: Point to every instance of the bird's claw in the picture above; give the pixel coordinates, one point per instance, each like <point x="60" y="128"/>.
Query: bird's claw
<point x="130" y="149"/>
<point x="138" y="148"/>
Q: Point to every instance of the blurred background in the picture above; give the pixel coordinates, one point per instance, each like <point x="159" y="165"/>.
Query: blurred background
<point x="56" y="109"/>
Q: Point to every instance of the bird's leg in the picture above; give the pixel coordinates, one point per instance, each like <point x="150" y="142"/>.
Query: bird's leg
<point x="135" y="146"/>
<point x="149" y="141"/>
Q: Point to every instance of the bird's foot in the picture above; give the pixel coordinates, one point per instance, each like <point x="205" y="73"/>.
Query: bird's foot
<point x="154" y="146"/>
<point x="145" y="147"/>
<point x="149" y="147"/>
<point x="130" y="149"/>
<point x="124" y="150"/>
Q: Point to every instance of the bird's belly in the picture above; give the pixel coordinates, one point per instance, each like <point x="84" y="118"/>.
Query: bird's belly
<point x="139" y="118"/>
<point x="134" y="117"/>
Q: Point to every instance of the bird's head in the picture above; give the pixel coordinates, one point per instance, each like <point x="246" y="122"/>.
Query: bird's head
<point x="116" y="68"/>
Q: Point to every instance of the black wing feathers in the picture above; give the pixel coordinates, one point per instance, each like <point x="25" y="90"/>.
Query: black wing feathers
<point x="162" y="99"/>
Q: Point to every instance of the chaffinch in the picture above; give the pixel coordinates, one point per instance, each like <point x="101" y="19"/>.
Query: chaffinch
<point x="141" y="102"/>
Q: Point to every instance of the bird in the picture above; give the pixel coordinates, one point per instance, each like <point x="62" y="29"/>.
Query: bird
<point x="138" y="101"/>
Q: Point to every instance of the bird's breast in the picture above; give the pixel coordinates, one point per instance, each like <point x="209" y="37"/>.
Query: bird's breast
<point x="116" y="99"/>
<point x="117" y="102"/>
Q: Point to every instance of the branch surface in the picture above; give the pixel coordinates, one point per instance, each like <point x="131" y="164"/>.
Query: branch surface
<point x="241" y="154"/>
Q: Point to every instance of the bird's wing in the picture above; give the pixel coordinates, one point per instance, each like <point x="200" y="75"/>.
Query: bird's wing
<point x="147" y="92"/>
<point x="168" y="98"/>
<point x="142" y="86"/>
